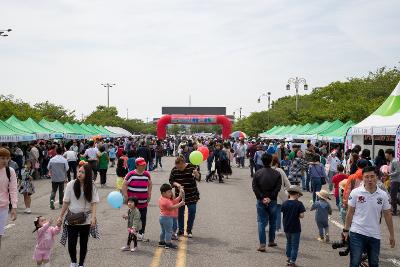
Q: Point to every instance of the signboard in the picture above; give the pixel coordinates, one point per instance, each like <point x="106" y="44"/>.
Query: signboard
<point x="193" y="120"/>
<point x="194" y="110"/>
<point x="397" y="144"/>
<point x="16" y="138"/>
<point x="384" y="140"/>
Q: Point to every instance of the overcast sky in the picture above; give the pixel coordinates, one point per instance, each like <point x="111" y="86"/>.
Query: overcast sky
<point x="158" y="52"/>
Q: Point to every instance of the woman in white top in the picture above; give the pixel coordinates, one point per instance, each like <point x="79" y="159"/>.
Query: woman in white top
<point x="282" y="195"/>
<point x="80" y="198"/>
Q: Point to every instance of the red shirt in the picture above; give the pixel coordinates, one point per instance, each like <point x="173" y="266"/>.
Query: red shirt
<point x="336" y="180"/>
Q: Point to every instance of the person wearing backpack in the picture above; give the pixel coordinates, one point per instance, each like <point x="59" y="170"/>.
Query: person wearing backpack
<point x="8" y="190"/>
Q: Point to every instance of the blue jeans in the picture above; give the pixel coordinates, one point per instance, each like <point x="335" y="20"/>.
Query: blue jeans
<point x="330" y="176"/>
<point x="305" y="182"/>
<point x="158" y="161"/>
<point x="191" y="216"/>
<point x="166" y="228"/>
<point x="241" y="161"/>
<point x="360" y="244"/>
<point x="292" y="246"/>
<point x="174" y="225"/>
<point x="265" y="214"/>
<point x="278" y="217"/>
<point x="316" y="186"/>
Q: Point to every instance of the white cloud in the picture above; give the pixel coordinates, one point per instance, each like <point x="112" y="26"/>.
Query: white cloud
<point x="223" y="53"/>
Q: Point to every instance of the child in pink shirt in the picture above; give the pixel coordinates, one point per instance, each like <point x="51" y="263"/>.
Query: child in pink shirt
<point x="45" y="240"/>
<point x="167" y="207"/>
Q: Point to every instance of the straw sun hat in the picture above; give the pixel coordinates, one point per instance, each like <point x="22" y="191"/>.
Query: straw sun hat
<point x="323" y="194"/>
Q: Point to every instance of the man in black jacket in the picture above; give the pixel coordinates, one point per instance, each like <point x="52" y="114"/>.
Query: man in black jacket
<point x="266" y="186"/>
<point x="144" y="152"/>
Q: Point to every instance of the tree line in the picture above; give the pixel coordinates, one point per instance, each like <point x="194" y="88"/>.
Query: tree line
<point x="353" y="99"/>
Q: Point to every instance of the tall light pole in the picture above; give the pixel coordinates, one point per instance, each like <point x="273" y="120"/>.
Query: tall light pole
<point x="108" y="85"/>
<point x="3" y="33"/>
<point x="268" y="95"/>
<point x="296" y="82"/>
<point x="240" y="112"/>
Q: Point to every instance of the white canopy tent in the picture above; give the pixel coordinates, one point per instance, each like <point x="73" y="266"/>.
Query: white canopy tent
<point x="385" y="121"/>
<point x="120" y="132"/>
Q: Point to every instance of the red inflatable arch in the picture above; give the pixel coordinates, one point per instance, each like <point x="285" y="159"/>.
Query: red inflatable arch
<point x="193" y="119"/>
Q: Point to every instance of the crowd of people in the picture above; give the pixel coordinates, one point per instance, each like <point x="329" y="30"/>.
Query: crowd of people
<point x="363" y="190"/>
<point x="281" y="173"/>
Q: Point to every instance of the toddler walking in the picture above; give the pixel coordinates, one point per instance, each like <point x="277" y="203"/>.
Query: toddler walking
<point x="167" y="207"/>
<point x="45" y="240"/>
<point x="322" y="211"/>
<point x="134" y="224"/>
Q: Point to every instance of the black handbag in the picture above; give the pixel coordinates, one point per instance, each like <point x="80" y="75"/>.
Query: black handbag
<point x="75" y="218"/>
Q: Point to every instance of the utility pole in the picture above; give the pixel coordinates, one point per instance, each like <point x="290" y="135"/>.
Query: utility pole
<point x="190" y="100"/>
<point x="127" y="114"/>
<point x="240" y="112"/>
<point x="108" y="85"/>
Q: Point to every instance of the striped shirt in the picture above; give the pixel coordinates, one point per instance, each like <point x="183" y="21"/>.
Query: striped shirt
<point x="188" y="181"/>
<point x="138" y="186"/>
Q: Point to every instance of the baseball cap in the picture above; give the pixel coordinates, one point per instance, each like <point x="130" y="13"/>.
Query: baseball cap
<point x="140" y="162"/>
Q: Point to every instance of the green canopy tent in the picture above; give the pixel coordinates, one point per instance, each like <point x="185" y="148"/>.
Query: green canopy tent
<point x="326" y="126"/>
<point x="89" y="129"/>
<point x="337" y="135"/>
<point x="88" y="134"/>
<point x="9" y="133"/>
<point x="30" y="126"/>
<point x="57" y="133"/>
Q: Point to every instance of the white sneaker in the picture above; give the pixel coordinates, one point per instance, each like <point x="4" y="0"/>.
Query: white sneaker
<point x="142" y="238"/>
<point x="74" y="265"/>
<point x="28" y="211"/>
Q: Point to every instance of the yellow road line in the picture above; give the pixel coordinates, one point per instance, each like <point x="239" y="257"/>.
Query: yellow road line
<point x="182" y="249"/>
<point x="157" y="257"/>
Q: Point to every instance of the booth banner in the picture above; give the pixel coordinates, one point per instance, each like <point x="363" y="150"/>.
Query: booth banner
<point x="348" y="144"/>
<point x="56" y="135"/>
<point x="193" y="120"/>
<point x="16" y="138"/>
<point x="44" y="136"/>
<point x="74" y="136"/>
<point x="397" y="144"/>
<point x="8" y="138"/>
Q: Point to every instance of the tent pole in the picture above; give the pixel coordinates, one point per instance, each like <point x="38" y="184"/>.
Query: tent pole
<point x="373" y="147"/>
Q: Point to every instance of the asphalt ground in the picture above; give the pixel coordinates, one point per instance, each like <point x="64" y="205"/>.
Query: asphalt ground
<point x="225" y="231"/>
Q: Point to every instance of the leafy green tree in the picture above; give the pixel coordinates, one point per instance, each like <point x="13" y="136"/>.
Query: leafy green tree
<point x="52" y="112"/>
<point x="354" y="99"/>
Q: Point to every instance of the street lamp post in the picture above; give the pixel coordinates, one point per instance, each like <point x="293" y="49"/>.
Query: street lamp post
<point x="268" y="95"/>
<point x="108" y="85"/>
<point x="296" y="82"/>
<point x="240" y="112"/>
<point x="3" y="33"/>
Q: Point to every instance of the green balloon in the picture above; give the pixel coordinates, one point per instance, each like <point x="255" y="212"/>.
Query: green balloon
<point x="196" y="158"/>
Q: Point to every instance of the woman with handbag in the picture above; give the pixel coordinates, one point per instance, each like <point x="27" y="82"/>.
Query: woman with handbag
<point x="79" y="205"/>
<point x="318" y="175"/>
